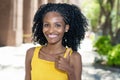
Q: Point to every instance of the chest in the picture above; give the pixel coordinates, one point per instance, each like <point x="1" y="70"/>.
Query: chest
<point x="45" y="70"/>
<point x="49" y="57"/>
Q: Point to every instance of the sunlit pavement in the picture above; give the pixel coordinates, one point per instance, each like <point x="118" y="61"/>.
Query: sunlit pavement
<point x="91" y="72"/>
<point x="12" y="61"/>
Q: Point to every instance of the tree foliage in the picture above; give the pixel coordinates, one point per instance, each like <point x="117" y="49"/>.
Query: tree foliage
<point x="92" y="11"/>
<point x="104" y="15"/>
<point x="109" y="10"/>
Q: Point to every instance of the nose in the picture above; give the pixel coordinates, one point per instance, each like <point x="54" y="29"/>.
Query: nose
<point x="51" y="29"/>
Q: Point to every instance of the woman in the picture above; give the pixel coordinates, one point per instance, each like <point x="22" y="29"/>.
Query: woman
<point x="58" y="28"/>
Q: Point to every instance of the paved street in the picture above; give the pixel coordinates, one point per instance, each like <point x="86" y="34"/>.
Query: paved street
<point x="12" y="63"/>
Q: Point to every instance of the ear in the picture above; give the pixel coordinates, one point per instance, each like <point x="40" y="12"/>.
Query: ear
<point x="67" y="28"/>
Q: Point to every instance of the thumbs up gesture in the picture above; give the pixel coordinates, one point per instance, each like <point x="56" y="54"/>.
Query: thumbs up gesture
<point x="63" y="62"/>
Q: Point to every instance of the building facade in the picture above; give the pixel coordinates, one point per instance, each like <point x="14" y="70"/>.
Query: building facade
<point x="16" y="19"/>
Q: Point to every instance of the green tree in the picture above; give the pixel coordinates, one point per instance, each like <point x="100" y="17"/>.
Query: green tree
<point x="104" y="15"/>
<point x="91" y="9"/>
<point x="108" y="19"/>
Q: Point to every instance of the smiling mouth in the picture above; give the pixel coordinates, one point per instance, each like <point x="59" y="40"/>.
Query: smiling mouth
<point x="52" y="36"/>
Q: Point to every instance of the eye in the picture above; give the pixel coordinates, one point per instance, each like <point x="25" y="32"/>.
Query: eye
<point x="58" y="25"/>
<point x="45" y="25"/>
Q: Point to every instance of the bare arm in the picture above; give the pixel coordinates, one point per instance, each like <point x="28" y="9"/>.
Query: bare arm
<point x="77" y="65"/>
<point x="28" y="59"/>
<point x="75" y="72"/>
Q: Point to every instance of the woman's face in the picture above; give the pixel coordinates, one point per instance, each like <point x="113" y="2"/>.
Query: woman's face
<point x="54" y="27"/>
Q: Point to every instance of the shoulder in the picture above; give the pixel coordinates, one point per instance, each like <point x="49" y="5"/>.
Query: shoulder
<point x="29" y="53"/>
<point x="76" y="55"/>
<point x="76" y="58"/>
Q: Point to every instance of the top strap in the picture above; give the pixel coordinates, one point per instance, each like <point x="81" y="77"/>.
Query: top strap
<point x="36" y="52"/>
<point x="68" y="52"/>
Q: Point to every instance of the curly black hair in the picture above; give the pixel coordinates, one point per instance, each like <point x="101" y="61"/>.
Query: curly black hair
<point x="72" y="16"/>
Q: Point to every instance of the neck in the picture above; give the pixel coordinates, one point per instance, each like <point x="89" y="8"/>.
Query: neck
<point x="54" y="48"/>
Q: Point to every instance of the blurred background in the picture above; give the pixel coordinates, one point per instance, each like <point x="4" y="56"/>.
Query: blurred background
<point x="100" y="49"/>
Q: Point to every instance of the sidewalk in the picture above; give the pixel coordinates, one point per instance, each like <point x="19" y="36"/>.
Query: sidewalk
<point x="12" y="61"/>
<point x="94" y="72"/>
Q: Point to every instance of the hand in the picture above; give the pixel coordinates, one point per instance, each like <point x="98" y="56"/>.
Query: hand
<point x="63" y="64"/>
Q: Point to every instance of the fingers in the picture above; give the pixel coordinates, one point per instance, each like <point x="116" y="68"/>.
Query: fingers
<point x="61" y="63"/>
<point x="57" y="61"/>
<point x="61" y="60"/>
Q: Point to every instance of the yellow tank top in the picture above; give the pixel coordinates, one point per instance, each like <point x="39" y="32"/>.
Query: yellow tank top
<point x="45" y="70"/>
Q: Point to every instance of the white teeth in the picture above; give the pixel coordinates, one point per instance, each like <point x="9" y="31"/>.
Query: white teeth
<point x="52" y="36"/>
